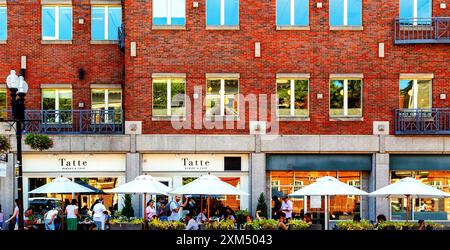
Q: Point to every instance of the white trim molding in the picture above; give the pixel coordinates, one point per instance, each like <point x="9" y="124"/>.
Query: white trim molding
<point x="106" y="2"/>
<point x="169" y="75"/>
<point x="347" y="76"/>
<point x="65" y="2"/>
<point x="56" y="86"/>
<point x="223" y="75"/>
<point x="416" y="76"/>
<point x="293" y="75"/>
<point x="105" y="86"/>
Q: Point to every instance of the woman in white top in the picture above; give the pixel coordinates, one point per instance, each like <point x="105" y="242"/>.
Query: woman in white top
<point x="50" y="217"/>
<point x="150" y="211"/>
<point x="72" y="215"/>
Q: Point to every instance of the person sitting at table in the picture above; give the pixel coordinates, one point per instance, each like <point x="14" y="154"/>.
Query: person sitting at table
<point x="228" y="215"/>
<point x="282" y="221"/>
<point x="308" y="219"/>
<point x="191" y="224"/>
<point x="201" y="217"/>
<point x="29" y="220"/>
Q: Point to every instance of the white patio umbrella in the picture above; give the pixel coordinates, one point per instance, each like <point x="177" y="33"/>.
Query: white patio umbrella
<point x="61" y="185"/>
<point x="143" y="184"/>
<point x="409" y="188"/>
<point x="208" y="185"/>
<point x="328" y="186"/>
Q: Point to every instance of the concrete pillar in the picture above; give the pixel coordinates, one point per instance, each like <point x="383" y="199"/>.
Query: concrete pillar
<point x="382" y="179"/>
<point x="365" y="183"/>
<point x="258" y="178"/>
<point x="7" y="188"/>
<point x="133" y="171"/>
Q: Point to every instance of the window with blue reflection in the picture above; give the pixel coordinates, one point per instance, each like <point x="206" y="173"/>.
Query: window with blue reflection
<point x="213" y="12"/>
<point x="169" y="12"/>
<point x="345" y="12"/>
<point x="415" y="8"/>
<point x="65" y="23"/>
<point x="423" y="8"/>
<point x="301" y="13"/>
<point x="3" y="23"/>
<point x="230" y="12"/>
<point x="98" y="23"/>
<point x="48" y="22"/>
<point x="114" y="22"/>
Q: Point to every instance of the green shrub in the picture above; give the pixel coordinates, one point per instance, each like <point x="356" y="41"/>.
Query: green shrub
<point x="38" y="142"/>
<point x="262" y="206"/>
<point x="127" y="210"/>
<point x="226" y="225"/>
<point x="298" y="225"/>
<point x="350" y="225"/>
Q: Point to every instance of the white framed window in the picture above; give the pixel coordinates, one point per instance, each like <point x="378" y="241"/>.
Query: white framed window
<point x="415" y="94"/>
<point x="56" y="22"/>
<point x="222" y="12"/>
<point x="297" y="185"/>
<point x="345" y="12"/>
<point x="106" y="105"/>
<point x="105" y="22"/>
<point x="292" y="12"/>
<point x="57" y="105"/>
<point x="169" y="12"/>
<point x="276" y="184"/>
<point x="169" y="97"/>
<point x="3" y="22"/>
<point x="222" y="97"/>
<point x="346" y="98"/>
<point x="292" y="97"/>
<point x="415" y="12"/>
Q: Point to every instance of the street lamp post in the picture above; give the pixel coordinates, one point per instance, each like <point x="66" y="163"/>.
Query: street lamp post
<point x="18" y="89"/>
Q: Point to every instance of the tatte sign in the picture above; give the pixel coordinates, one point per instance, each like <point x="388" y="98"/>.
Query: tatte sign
<point x="74" y="163"/>
<point x="187" y="162"/>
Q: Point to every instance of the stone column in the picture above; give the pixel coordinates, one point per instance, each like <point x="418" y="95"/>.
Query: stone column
<point x="382" y="179"/>
<point x="258" y="179"/>
<point x="7" y="188"/>
<point x="133" y="171"/>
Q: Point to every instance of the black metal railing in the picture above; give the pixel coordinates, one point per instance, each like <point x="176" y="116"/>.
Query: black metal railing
<point x="121" y="31"/>
<point x="434" y="121"/>
<point x="71" y="121"/>
<point x="422" y="30"/>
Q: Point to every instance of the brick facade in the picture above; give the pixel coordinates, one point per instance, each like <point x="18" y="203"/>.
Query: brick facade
<point x="197" y="51"/>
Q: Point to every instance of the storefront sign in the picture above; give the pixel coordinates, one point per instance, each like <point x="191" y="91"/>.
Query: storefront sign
<point x="189" y="162"/>
<point x="315" y="202"/>
<point x="74" y="163"/>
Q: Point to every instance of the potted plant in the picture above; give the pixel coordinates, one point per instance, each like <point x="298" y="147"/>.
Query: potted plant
<point x="38" y="142"/>
<point x="251" y="226"/>
<point x="350" y="225"/>
<point x="4" y="144"/>
<point x="213" y="225"/>
<point x="298" y="225"/>
<point x="434" y="226"/>
<point x="124" y="223"/>
<point x="388" y="225"/>
<point x="268" y="224"/>
<point x="176" y="225"/>
<point x="241" y="217"/>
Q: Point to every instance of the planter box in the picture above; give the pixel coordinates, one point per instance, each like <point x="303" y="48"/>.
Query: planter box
<point x="126" y="226"/>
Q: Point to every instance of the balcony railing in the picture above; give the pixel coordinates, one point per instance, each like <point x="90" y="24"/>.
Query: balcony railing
<point x="422" y="30"/>
<point x="71" y="121"/>
<point x="434" y="121"/>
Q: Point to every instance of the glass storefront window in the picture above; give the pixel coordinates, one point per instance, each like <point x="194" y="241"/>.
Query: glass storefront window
<point x="426" y="209"/>
<point x="38" y="202"/>
<point x="341" y="207"/>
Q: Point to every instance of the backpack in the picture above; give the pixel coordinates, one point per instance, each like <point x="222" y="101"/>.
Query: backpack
<point x="167" y="209"/>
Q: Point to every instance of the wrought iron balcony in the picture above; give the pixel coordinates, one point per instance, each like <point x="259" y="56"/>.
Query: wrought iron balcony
<point x="71" y="121"/>
<point x="434" y="121"/>
<point x="422" y="30"/>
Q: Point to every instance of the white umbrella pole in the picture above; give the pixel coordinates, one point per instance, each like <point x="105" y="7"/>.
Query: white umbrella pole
<point x="413" y="201"/>
<point x="305" y="205"/>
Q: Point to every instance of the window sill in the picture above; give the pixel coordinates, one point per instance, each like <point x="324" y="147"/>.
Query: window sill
<point x="346" y="119"/>
<point x="222" y="27"/>
<point x="56" y="41"/>
<point x="293" y="28"/>
<point x="293" y="119"/>
<point x="104" y="42"/>
<point x="3" y="42"/>
<point x="349" y="28"/>
<point x="221" y="118"/>
<point x="168" y="118"/>
<point x="168" y="27"/>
